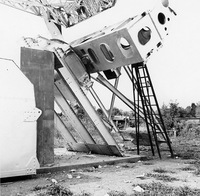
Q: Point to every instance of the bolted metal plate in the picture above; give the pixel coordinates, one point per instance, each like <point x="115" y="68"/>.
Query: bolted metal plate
<point x="144" y="36"/>
<point x="161" y="15"/>
<point x="32" y="115"/>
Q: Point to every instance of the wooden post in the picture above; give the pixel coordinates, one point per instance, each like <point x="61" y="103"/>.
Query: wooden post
<point x="38" y="66"/>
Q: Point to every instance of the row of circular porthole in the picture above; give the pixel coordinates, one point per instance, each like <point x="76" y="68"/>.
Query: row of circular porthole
<point x="144" y="36"/>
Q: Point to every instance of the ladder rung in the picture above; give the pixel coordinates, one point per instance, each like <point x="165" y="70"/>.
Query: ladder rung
<point x="145" y="86"/>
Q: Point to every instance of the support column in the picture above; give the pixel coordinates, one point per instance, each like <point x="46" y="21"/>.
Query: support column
<point x="38" y="66"/>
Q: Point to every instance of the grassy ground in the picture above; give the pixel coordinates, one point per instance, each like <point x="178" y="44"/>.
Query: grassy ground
<point x="187" y="146"/>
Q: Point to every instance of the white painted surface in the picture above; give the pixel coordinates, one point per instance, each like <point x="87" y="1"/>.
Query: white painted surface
<point x="18" y="116"/>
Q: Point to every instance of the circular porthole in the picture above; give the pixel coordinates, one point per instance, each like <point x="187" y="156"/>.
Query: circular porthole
<point x="161" y="18"/>
<point x="93" y="56"/>
<point x="105" y="49"/>
<point x="124" y="43"/>
<point x="144" y="35"/>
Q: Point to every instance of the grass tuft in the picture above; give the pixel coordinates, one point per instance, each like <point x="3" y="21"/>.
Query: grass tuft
<point x="148" y="163"/>
<point x="165" y="178"/>
<point x="160" y="170"/>
<point x="58" y="190"/>
<point x="55" y="190"/>
<point x="188" y="168"/>
<point x="38" y="188"/>
<point x="157" y="189"/>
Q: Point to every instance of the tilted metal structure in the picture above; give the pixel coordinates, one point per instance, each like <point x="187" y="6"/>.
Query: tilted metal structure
<point x="127" y="45"/>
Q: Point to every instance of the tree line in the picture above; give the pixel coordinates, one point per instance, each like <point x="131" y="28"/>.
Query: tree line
<point x="171" y="113"/>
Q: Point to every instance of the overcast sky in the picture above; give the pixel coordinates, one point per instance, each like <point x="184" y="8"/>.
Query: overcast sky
<point x="174" y="69"/>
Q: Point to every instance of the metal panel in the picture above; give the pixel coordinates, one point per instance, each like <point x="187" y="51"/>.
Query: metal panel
<point x="17" y="136"/>
<point x="145" y="44"/>
<point x="161" y="15"/>
<point x="38" y="66"/>
<point x="131" y="42"/>
<point x="111" y="42"/>
<point x="31" y="115"/>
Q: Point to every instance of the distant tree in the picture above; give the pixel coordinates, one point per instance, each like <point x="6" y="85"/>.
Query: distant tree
<point x="182" y="112"/>
<point x="188" y="110"/>
<point x="166" y="116"/>
<point x="169" y="114"/>
<point x="126" y="113"/>
<point x="116" y="112"/>
<point x="174" y="111"/>
<point x="132" y="114"/>
<point x="198" y="111"/>
<point x="193" y="110"/>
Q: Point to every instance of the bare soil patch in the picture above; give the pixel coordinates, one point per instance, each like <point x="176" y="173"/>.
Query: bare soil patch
<point x="169" y="176"/>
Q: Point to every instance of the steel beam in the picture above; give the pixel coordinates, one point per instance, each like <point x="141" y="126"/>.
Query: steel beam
<point x="71" y="117"/>
<point x="73" y="84"/>
<point x="60" y="126"/>
<point x="95" y="96"/>
<point x="38" y="66"/>
<point x="129" y="103"/>
<point x="113" y="98"/>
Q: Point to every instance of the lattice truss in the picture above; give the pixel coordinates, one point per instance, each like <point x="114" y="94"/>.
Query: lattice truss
<point x="62" y="12"/>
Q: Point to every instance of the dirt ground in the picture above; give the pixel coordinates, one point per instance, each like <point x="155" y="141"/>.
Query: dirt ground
<point x="100" y="180"/>
<point x="103" y="179"/>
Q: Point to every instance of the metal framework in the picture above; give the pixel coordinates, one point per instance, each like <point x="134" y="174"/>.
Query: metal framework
<point x="128" y="44"/>
<point x="62" y="12"/>
<point x="144" y="105"/>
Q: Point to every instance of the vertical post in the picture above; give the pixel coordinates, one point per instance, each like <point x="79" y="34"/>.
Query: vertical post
<point x="113" y="98"/>
<point x="38" y="66"/>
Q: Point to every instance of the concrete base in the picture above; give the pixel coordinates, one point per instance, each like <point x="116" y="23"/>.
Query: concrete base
<point x="105" y="160"/>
